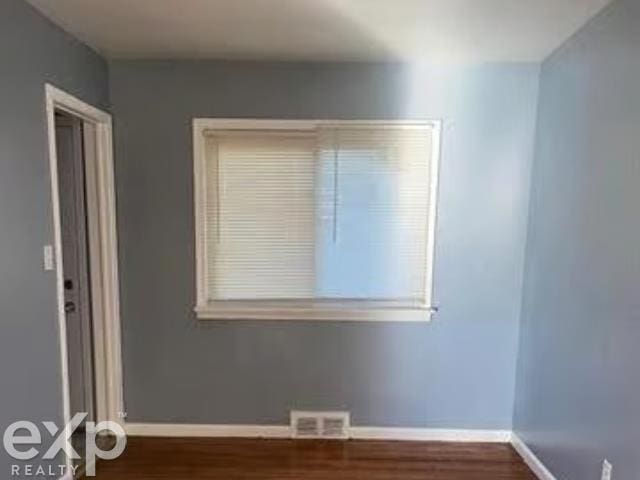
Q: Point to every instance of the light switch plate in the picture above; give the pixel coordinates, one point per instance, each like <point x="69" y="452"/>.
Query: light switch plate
<point x="49" y="258"/>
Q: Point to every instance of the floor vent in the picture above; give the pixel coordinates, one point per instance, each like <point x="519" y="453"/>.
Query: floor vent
<point x="320" y="424"/>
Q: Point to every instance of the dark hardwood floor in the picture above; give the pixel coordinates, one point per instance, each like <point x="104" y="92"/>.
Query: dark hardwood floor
<point x="235" y="459"/>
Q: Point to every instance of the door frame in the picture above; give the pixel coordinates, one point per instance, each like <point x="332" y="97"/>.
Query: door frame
<point x="103" y="255"/>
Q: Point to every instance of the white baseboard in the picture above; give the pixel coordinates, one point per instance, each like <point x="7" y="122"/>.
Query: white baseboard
<point x="284" y="431"/>
<point x="199" y="430"/>
<point x="430" y="434"/>
<point x="530" y="458"/>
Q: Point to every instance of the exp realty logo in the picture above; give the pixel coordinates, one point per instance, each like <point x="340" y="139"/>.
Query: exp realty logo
<point x="20" y="435"/>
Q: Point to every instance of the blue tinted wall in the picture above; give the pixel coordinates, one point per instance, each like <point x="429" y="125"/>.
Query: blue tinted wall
<point x="578" y="396"/>
<point x="457" y="372"/>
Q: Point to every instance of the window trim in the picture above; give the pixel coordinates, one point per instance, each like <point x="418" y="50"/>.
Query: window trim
<point x="298" y="310"/>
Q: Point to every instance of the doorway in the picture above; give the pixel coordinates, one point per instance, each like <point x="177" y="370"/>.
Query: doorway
<point x="85" y="246"/>
<point x="76" y="268"/>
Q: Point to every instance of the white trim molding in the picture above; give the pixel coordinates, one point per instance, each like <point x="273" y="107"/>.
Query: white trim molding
<point x="431" y="434"/>
<point x="285" y="431"/>
<point x="340" y="311"/>
<point x="213" y="431"/>
<point x="103" y="257"/>
<point x="531" y="459"/>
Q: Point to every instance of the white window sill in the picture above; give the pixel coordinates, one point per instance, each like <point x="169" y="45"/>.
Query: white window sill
<point x="334" y="311"/>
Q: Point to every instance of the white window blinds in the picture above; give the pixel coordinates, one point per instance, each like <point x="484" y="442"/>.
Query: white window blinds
<point x="260" y="216"/>
<point x="373" y="201"/>
<point x="324" y="215"/>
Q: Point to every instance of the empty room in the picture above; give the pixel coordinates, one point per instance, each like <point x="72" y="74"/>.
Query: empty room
<point x="320" y="239"/>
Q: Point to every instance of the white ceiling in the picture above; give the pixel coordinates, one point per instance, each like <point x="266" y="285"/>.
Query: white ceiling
<point x="318" y="30"/>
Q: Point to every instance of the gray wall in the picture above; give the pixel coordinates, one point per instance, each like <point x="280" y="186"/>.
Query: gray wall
<point x="32" y="52"/>
<point x="578" y="396"/>
<point x="458" y="372"/>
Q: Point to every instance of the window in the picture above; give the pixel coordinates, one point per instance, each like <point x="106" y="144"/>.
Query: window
<point x="315" y="219"/>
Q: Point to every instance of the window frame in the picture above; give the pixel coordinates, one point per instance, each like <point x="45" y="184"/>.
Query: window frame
<point x="299" y="309"/>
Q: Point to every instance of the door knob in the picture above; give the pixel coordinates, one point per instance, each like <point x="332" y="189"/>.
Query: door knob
<point x="69" y="307"/>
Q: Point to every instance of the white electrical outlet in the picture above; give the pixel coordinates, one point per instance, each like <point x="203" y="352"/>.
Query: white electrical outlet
<point x="607" y="470"/>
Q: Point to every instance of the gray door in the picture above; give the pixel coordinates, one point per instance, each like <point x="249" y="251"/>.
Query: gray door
<point x="75" y="259"/>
